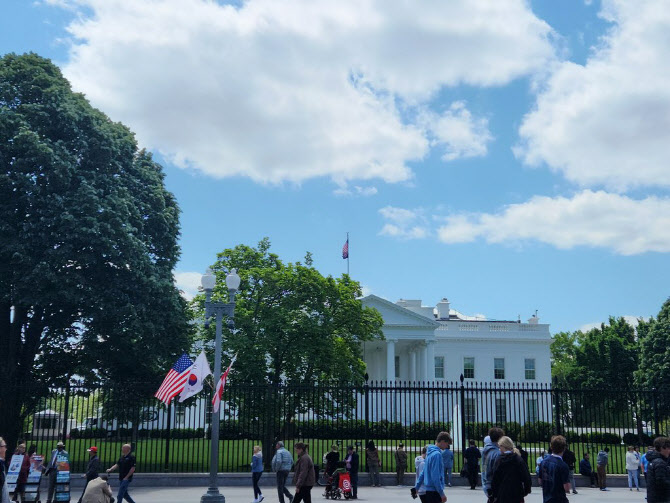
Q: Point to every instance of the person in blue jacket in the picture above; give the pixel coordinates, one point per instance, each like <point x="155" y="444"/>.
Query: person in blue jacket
<point x="432" y="476"/>
<point x="448" y="460"/>
<point x="256" y="472"/>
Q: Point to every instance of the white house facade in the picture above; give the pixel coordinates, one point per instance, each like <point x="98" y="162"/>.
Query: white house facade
<point x="427" y="343"/>
<point x="428" y="348"/>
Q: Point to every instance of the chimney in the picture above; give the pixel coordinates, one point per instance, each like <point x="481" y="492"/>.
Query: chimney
<point x="443" y="309"/>
<point x="534" y="320"/>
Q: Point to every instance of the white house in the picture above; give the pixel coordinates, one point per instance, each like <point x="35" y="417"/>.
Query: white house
<point x="437" y="344"/>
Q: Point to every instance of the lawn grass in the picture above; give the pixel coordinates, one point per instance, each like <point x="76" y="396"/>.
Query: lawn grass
<point x="193" y="455"/>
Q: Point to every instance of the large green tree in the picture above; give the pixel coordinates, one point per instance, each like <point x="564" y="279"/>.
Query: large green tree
<point x="654" y="370"/>
<point x="88" y="242"/>
<point x="293" y="327"/>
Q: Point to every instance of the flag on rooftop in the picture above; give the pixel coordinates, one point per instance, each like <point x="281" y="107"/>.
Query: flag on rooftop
<point x="196" y="377"/>
<point x="345" y="249"/>
<point x="175" y="380"/>
<point x="218" y="394"/>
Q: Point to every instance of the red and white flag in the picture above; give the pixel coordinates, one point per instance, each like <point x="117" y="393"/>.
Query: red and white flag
<point x="218" y="394"/>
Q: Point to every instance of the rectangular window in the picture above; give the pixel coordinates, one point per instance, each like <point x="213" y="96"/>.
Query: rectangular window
<point x="499" y="368"/>
<point x="501" y="411"/>
<point x="179" y="414"/>
<point x="439" y="367"/>
<point x="531" y="410"/>
<point x="530" y="368"/>
<point x="469" y="367"/>
<point x="470" y="410"/>
<point x="397" y="367"/>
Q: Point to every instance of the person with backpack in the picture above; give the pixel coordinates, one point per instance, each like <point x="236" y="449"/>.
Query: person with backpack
<point x="601" y="462"/>
<point x="432" y="475"/>
<point x="511" y="479"/>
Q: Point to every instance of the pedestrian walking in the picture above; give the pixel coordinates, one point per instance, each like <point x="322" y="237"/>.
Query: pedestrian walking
<point x="98" y="491"/>
<point x="400" y="463"/>
<point x="489" y="456"/>
<point x="282" y="462"/>
<point x="51" y="470"/>
<point x="644" y="461"/>
<point x="523" y="453"/>
<point x="601" y="462"/>
<point x="20" y="489"/>
<point x="419" y="465"/>
<point x="448" y="460"/>
<point x="373" y="463"/>
<point x="92" y="469"/>
<point x="4" y="490"/>
<point x="586" y="470"/>
<point x="472" y="457"/>
<point x="126" y="467"/>
<point x="571" y="460"/>
<point x="256" y="472"/>
<point x="351" y="463"/>
<point x="632" y="467"/>
<point x="511" y="479"/>
<point x="658" y="479"/>
<point x="432" y="476"/>
<point x="555" y="474"/>
<point x="303" y="476"/>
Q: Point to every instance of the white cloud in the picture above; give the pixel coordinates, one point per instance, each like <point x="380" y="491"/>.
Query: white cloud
<point x="188" y="283"/>
<point x="355" y="190"/>
<point x="594" y="219"/>
<point x="606" y="123"/>
<point x="403" y="223"/>
<point x="280" y="90"/>
<point x="458" y="131"/>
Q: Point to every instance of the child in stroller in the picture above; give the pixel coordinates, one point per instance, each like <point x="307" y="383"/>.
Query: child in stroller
<point x="339" y="484"/>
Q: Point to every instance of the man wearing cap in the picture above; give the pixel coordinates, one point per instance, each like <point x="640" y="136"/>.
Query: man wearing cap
<point x="52" y="469"/>
<point x="93" y="468"/>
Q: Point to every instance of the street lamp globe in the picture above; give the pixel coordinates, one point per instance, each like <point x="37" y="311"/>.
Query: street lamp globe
<point x="208" y="281"/>
<point x="233" y="280"/>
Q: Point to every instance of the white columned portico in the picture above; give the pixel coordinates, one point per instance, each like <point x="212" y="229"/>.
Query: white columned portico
<point x="390" y="359"/>
<point x="430" y="360"/>
<point x="423" y="363"/>
<point x="412" y="364"/>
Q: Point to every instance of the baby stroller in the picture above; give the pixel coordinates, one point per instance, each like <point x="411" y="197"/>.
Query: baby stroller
<point x="339" y="485"/>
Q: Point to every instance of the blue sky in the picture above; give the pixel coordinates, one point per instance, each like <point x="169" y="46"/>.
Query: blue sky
<point x="510" y="156"/>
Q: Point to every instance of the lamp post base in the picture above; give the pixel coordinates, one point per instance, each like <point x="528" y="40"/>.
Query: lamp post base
<point x="213" y="496"/>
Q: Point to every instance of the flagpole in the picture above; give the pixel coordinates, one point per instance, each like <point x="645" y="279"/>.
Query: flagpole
<point x="348" y="246"/>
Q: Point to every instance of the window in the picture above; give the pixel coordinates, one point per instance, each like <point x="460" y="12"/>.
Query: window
<point x="531" y="410"/>
<point x="209" y="412"/>
<point x="470" y="410"/>
<point x="47" y="423"/>
<point x="501" y="411"/>
<point x="397" y="367"/>
<point x="439" y="367"/>
<point x="499" y="368"/>
<point x="530" y="368"/>
<point x="469" y="367"/>
<point x="179" y="414"/>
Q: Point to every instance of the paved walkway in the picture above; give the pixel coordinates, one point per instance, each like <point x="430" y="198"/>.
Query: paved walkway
<point x="369" y="495"/>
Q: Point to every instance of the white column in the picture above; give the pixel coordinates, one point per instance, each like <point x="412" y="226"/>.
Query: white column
<point x="424" y="363"/>
<point x="390" y="360"/>
<point x="412" y="365"/>
<point x="430" y="359"/>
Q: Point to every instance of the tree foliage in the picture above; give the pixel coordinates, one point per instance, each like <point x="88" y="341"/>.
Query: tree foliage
<point x="654" y="370"/>
<point x="88" y="241"/>
<point x="293" y="326"/>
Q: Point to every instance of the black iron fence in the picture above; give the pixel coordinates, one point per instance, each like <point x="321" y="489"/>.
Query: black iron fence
<point x="176" y="438"/>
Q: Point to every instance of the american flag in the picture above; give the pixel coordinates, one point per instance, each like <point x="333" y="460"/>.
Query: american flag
<point x="345" y="249"/>
<point x="175" y="380"/>
<point x="218" y="395"/>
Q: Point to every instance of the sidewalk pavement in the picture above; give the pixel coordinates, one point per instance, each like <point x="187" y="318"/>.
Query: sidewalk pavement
<point x="384" y="494"/>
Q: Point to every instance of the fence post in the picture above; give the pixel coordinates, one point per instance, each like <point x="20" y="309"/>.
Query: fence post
<point x="654" y="402"/>
<point x="66" y="412"/>
<point x="464" y="429"/>
<point x="366" y="393"/>
<point x="557" y="407"/>
<point x="167" y="438"/>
